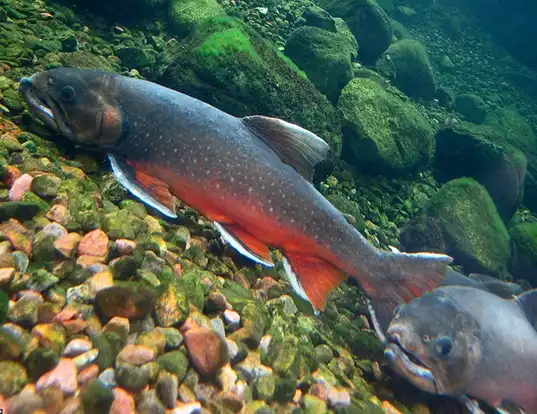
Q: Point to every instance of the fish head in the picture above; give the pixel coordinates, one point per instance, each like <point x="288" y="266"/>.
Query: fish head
<point x="434" y="344"/>
<point x="79" y="104"/>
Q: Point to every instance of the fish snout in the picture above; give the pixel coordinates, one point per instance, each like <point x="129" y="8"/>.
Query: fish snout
<point x="25" y="85"/>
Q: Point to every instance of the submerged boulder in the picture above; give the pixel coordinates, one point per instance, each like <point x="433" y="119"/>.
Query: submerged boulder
<point x="407" y="65"/>
<point x="462" y="217"/>
<point x="471" y="107"/>
<point x="324" y="56"/>
<point x="384" y="133"/>
<point x="524" y="257"/>
<point x="228" y="65"/>
<point x="367" y="22"/>
<point x="465" y="150"/>
<point x="184" y="15"/>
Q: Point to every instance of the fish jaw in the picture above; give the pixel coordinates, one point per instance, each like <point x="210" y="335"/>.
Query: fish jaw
<point x="418" y="374"/>
<point x="408" y="356"/>
<point x="36" y="92"/>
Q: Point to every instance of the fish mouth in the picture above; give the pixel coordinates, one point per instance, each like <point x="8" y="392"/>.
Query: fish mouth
<point x="44" y="107"/>
<point x="409" y="365"/>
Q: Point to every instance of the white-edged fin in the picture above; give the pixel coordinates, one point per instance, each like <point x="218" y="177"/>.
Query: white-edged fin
<point x="125" y="178"/>
<point x="394" y="249"/>
<point x="471" y="405"/>
<point x="240" y="247"/>
<point x="376" y="323"/>
<point x="295" y="283"/>
<point x="295" y="145"/>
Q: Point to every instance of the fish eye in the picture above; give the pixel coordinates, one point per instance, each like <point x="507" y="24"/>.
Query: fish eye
<point x="443" y="346"/>
<point x="67" y="94"/>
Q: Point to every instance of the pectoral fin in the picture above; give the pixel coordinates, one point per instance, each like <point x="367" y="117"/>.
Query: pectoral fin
<point x="245" y="244"/>
<point x="312" y="278"/>
<point x="148" y="189"/>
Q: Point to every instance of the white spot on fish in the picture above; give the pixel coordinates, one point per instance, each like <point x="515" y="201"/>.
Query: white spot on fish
<point x="271" y="209"/>
<point x="232" y="179"/>
<point x="175" y="150"/>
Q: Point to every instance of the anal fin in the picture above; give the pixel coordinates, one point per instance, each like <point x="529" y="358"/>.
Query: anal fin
<point x="245" y="244"/>
<point x="147" y="188"/>
<point x="312" y="278"/>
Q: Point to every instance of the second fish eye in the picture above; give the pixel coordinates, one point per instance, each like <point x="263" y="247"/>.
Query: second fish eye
<point x="444" y="346"/>
<point x="68" y="94"/>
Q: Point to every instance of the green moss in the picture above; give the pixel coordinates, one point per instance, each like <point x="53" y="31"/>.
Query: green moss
<point x="231" y="40"/>
<point x="227" y="64"/>
<point x="472" y="227"/>
<point x="385" y="133"/>
<point x="406" y="63"/>
<point x="184" y="15"/>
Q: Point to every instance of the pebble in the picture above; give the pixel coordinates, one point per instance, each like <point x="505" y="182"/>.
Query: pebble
<point x="88" y="373"/>
<point x="190" y="408"/>
<point x="207" y="350"/>
<point x="227" y="378"/>
<point x="232" y="348"/>
<point x="67" y="244"/>
<point x="108" y="377"/>
<point x="59" y="214"/>
<point x="83" y="360"/>
<point x="123" y="402"/>
<point x="6" y="275"/>
<point x="76" y="347"/>
<point x="232" y="318"/>
<point x="100" y="281"/>
<point x="167" y="386"/>
<point x="20" y="187"/>
<point x="94" y="243"/>
<point x="27" y="401"/>
<point x="125" y="246"/>
<point x="137" y="355"/>
<point x="338" y="397"/>
<point x="63" y="376"/>
<point x="55" y="230"/>
<point x="148" y="403"/>
<point x="264" y="344"/>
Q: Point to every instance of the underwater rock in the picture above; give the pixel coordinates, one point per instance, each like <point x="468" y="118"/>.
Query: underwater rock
<point x="227" y="64"/>
<point x="384" y="133"/>
<point x="367" y="22"/>
<point x="471" y="228"/>
<point x="13" y="378"/>
<point x="126" y="299"/>
<point x="136" y="57"/>
<point x="472" y="107"/>
<point x="406" y="64"/>
<point x="324" y="56"/>
<point x="318" y="17"/>
<point x="464" y="150"/>
<point x="96" y="398"/>
<point x="208" y="352"/>
<point x="185" y="15"/>
<point x="524" y="254"/>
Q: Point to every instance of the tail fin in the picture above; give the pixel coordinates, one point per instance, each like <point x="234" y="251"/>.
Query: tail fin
<point x="401" y="277"/>
<point x="397" y="278"/>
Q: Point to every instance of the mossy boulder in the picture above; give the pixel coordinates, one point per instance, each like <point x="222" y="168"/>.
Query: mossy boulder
<point x="367" y="22"/>
<point x="406" y="64"/>
<point x="472" y="107"/>
<point x="185" y="15"/>
<point x="324" y="56"/>
<point x="227" y="64"/>
<point x="471" y="228"/>
<point x="524" y="256"/>
<point x="384" y="133"/>
<point x="466" y="150"/>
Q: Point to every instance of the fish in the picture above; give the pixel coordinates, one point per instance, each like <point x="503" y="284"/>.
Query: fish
<point x="468" y="343"/>
<point x="250" y="176"/>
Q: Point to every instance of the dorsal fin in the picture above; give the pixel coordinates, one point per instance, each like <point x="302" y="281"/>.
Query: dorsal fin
<point x="528" y="302"/>
<point x="294" y="145"/>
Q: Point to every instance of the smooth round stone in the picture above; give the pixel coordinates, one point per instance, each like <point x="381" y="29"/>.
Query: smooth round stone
<point x="63" y="376"/>
<point x="136" y="355"/>
<point x="13" y="378"/>
<point x="77" y="346"/>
